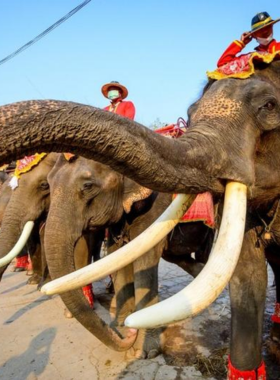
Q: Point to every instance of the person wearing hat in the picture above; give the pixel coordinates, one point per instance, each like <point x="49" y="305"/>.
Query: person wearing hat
<point x="116" y="93"/>
<point x="261" y="30"/>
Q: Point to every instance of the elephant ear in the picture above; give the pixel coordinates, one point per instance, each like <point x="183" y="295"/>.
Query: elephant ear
<point x="133" y="192"/>
<point x="61" y="160"/>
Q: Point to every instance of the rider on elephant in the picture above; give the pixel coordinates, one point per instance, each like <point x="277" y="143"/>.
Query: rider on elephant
<point x="262" y="31"/>
<point x="116" y="92"/>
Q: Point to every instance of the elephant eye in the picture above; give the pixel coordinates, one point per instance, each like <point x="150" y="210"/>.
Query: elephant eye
<point x="44" y="185"/>
<point x="269" y="106"/>
<point x="87" y="186"/>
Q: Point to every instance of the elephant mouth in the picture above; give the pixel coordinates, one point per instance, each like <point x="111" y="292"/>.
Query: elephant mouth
<point x="206" y="287"/>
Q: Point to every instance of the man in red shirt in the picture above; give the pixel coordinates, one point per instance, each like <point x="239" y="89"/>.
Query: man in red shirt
<point x="116" y="93"/>
<point x="262" y="31"/>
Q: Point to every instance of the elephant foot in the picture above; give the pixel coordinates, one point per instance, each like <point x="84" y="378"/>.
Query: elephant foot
<point x="43" y="281"/>
<point x="68" y="314"/>
<point x="18" y="269"/>
<point x="29" y="269"/>
<point x="34" y="279"/>
<point x="147" y="345"/>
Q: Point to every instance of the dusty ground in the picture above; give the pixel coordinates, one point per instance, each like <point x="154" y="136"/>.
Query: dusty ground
<point x="37" y="342"/>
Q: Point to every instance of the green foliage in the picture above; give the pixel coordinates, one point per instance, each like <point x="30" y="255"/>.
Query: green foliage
<point x="157" y="124"/>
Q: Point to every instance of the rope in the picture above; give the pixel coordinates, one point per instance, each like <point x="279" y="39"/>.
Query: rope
<point x="45" y="32"/>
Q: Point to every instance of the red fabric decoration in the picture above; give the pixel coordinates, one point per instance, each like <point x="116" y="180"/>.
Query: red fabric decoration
<point x="172" y="130"/>
<point x="276" y="316"/>
<point x="256" y="374"/>
<point x="243" y="66"/>
<point x="88" y="293"/>
<point x="202" y="209"/>
<point x="22" y="262"/>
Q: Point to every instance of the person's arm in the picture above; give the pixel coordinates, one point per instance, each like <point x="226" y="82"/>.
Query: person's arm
<point x="234" y="48"/>
<point x="129" y="110"/>
<point x="276" y="47"/>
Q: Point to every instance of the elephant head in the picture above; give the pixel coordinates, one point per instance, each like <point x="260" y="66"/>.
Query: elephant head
<point x="233" y="135"/>
<point x="27" y="203"/>
<point x="85" y="196"/>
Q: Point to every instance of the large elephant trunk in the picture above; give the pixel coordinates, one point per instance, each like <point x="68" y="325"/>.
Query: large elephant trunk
<point x="186" y="165"/>
<point x="11" y="230"/>
<point x="59" y="246"/>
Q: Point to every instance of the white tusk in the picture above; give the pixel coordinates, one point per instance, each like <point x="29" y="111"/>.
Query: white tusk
<point x="213" y="278"/>
<point x="128" y="253"/>
<point x="27" y="229"/>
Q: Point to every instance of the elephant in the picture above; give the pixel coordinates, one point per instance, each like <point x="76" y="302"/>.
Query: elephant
<point x="86" y="196"/>
<point x="30" y="201"/>
<point x="231" y="147"/>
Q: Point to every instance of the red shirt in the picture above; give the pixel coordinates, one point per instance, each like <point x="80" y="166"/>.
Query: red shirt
<point x="236" y="46"/>
<point x="123" y="108"/>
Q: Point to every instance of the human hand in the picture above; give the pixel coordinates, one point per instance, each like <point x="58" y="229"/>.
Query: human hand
<point x="246" y="38"/>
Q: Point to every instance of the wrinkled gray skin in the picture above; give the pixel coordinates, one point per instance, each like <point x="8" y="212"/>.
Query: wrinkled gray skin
<point x="29" y="201"/>
<point x="86" y="196"/>
<point x="234" y="134"/>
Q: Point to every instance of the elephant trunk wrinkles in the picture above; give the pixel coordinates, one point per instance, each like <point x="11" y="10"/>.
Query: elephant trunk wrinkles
<point x="152" y="160"/>
<point x="60" y="259"/>
<point x="11" y="229"/>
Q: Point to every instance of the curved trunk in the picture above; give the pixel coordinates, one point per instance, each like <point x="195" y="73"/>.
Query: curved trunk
<point x="186" y="165"/>
<point x="26" y="232"/>
<point x="60" y="258"/>
<point x="11" y="230"/>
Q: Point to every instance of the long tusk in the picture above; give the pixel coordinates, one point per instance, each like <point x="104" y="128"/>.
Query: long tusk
<point x="211" y="281"/>
<point x="127" y="254"/>
<point x="27" y="229"/>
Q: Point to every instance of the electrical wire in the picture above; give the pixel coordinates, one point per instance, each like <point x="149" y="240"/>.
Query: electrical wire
<point x="45" y="32"/>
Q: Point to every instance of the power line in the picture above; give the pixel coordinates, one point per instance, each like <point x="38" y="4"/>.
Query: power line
<point x="45" y="32"/>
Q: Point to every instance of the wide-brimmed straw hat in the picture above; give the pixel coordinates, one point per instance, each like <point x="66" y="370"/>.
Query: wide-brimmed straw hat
<point x="123" y="89"/>
<point x="260" y="21"/>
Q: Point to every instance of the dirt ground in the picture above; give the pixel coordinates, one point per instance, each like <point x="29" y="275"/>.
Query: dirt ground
<point x="37" y="342"/>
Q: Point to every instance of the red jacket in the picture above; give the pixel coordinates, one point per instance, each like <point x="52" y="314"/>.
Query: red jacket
<point x="123" y="108"/>
<point x="236" y="46"/>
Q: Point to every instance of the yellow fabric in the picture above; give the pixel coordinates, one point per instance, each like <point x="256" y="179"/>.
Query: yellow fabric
<point x="266" y="58"/>
<point x="261" y="22"/>
<point x="3" y="167"/>
<point x="239" y="43"/>
<point x="37" y="157"/>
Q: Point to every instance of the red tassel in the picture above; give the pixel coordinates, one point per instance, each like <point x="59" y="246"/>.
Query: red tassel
<point x="255" y="374"/>
<point x="88" y="293"/>
<point x="276" y="316"/>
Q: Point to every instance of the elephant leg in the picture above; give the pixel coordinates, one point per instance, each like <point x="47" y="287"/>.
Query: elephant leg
<point x="147" y="344"/>
<point x="82" y="257"/>
<point x="45" y="276"/>
<point x="36" y="274"/>
<point x="247" y="296"/>
<point x="273" y="256"/>
<point x="123" y="302"/>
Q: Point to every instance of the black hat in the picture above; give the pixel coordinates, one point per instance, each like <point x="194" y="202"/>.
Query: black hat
<point x="261" y="20"/>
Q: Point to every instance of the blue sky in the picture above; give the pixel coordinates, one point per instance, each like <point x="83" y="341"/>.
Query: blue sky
<point x="159" y="49"/>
